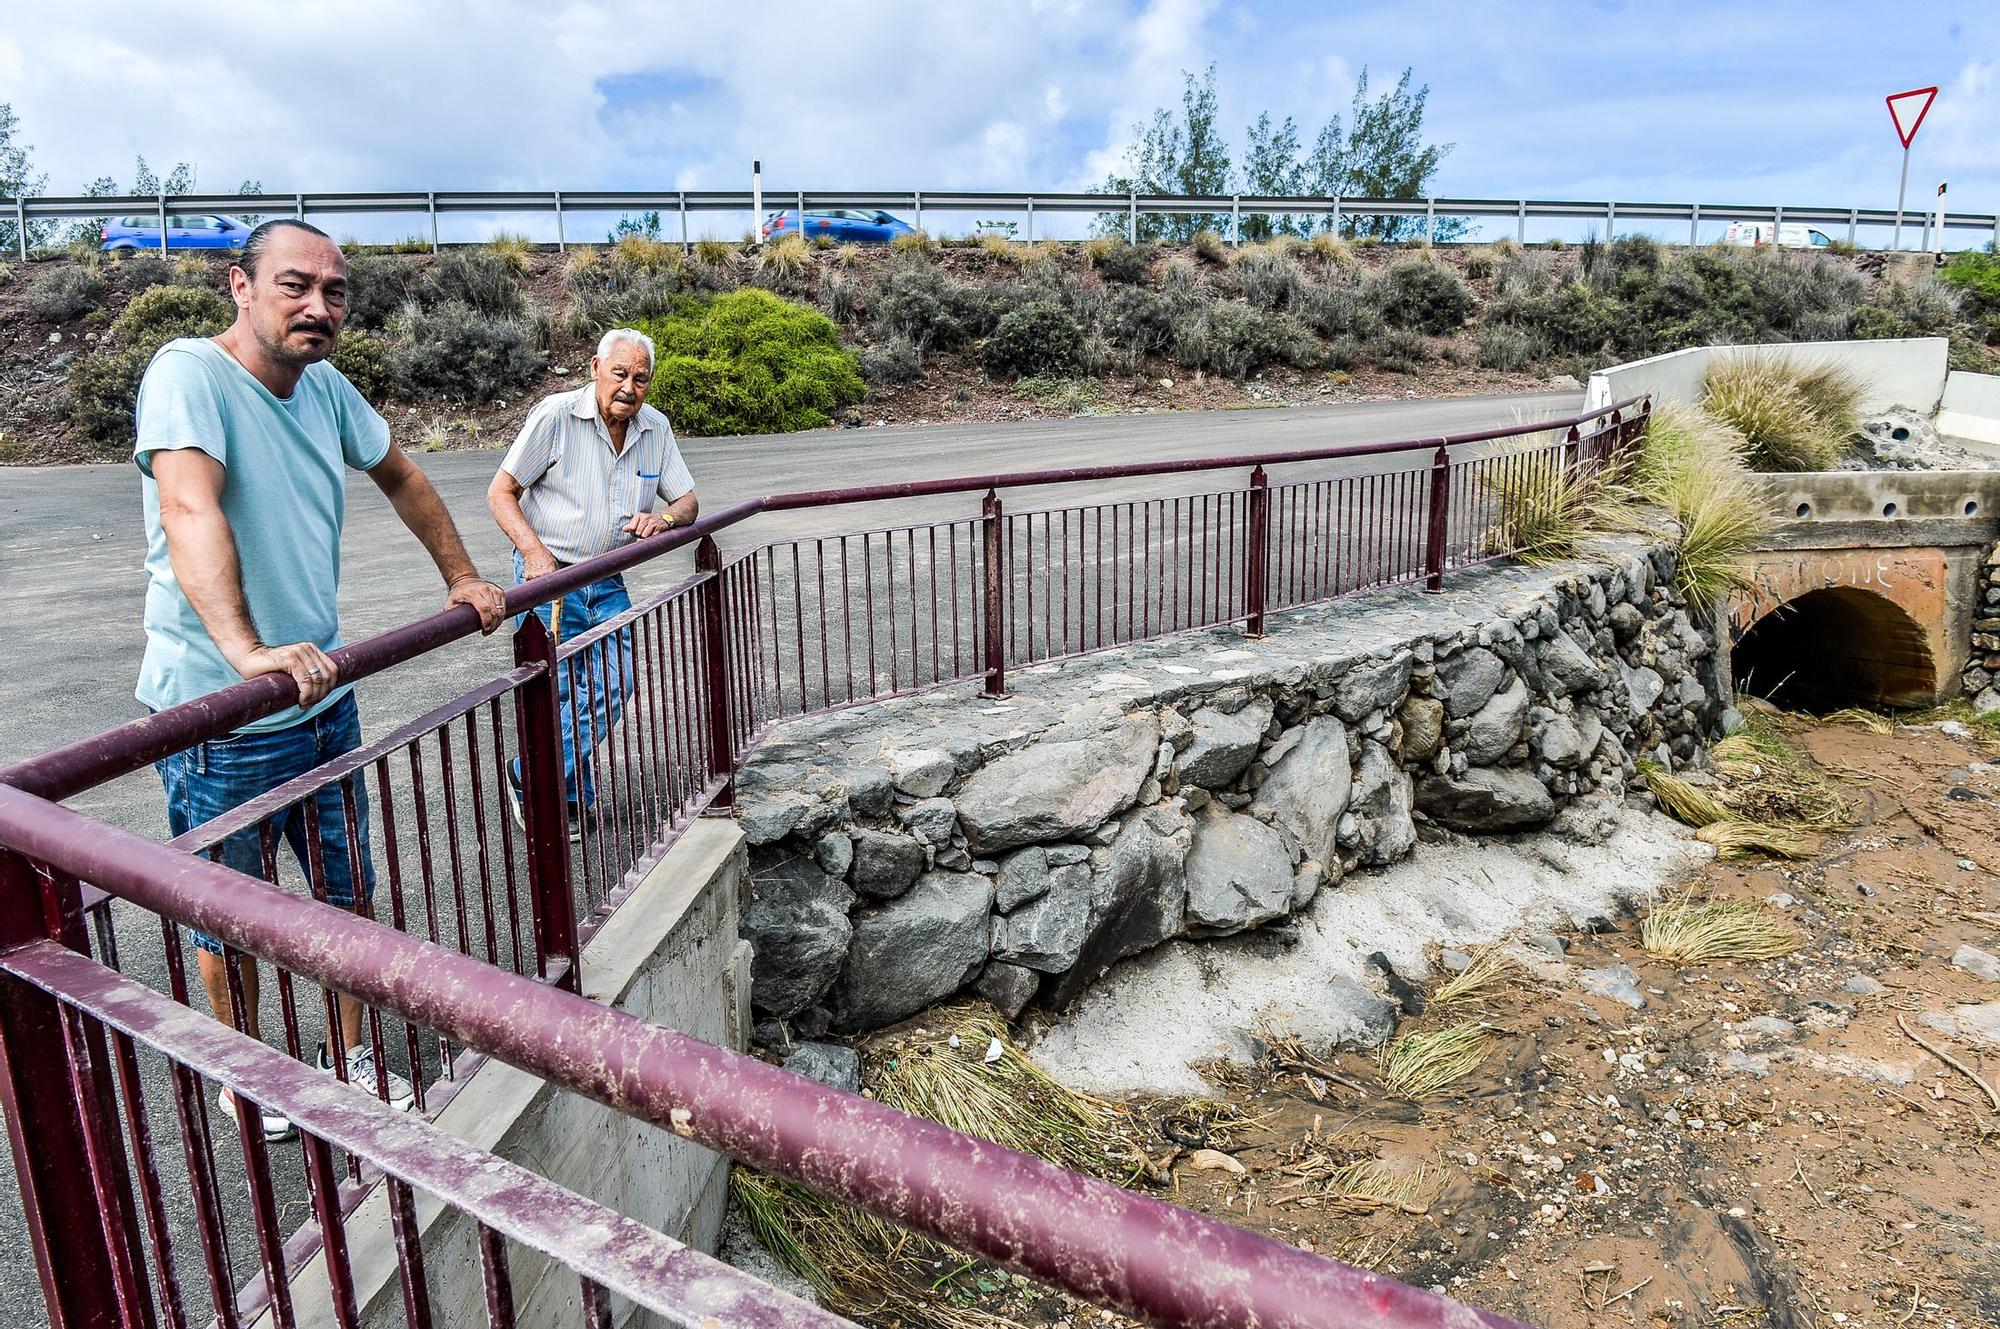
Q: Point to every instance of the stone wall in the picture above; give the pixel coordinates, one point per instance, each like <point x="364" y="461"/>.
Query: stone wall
<point x="1981" y="679"/>
<point x="1200" y="786"/>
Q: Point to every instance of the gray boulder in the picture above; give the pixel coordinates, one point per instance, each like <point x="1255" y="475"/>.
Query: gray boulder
<point x="1567" y="667"/>
<point x="1643" y="687"/>
<point x="920" y="772"/>
<point x="1238" y="874"/>
<point x="1381" y="807"/>
<point x="1560" y="743"/>
<point x="1423" y="728"/>
<point x="1048" y="932"/>
<point x="1307" y="791"/>
<point x="931" y="821"/>
<point x="1223" y="744"/>
<point x="798" y="931"/>
<point x="885" y="864"/>
<point x="829" y="1063"/>
<point x="1139" y="900"/>
<point x="1496" y="726"/>
<point x="834" y="852"/>
<point x="1057" y="790"/>
<point x="1470" y="679"/>
<point x="1008" y="986"/>
<point x="1024" y="874"/>
<point x="1371" y="688"/>
<point x="1485" y="800"/>
<point x="917" y="949"/>
<point x="769" y="820"/>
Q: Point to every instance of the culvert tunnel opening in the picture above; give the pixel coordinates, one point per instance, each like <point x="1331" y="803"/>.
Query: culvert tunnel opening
<point x="1836" y="648"/>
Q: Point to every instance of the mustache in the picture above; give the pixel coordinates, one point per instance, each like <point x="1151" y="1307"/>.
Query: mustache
<point x="321" y="326"/>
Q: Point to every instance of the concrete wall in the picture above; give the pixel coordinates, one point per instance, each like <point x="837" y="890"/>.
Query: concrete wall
<point x="1970" y="410"/>
<point x="1894" y="371"/>
<point x="670" y="954"/>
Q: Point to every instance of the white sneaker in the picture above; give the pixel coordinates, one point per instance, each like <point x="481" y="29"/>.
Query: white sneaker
<point x="361" y="1074"/>
<point x="277" y="1129"/>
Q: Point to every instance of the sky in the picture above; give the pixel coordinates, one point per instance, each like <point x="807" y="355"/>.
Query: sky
<point x="1754" y="101"/>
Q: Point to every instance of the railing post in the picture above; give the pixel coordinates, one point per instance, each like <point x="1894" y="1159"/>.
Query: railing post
<point x="1521" y="223"/>
<point x="1437" y="525"/>
<point x="543" y="797"/>
<point x="83" y="1250"/>
<point x="1606" y="452"/>
<point x="21" y="224"/>
<point x="163" y="225"/>
<point x="431" y="201"/>
<point x="990" y="516"/>
<point x="562" y="244"/>
<point x="715" y="670"/>
<point x="1694" y="224"/>
<point x="1257" y="553"/>
<point x="1132" y="219"/>
<point x="1572" y="445"/>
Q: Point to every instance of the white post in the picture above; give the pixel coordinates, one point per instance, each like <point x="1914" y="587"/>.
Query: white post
<point x="1901" y="184"/>
<point x="299" y="206"/>
<point x="1430" y="222"/>
<point x="757" y="200"/>
<point x="163" y="226"/>
<point x="1521" y="222"/>
<point x="1853" y="221"/>
<point x="1031" y="219"/>
<point x="21" y="224"/>
<point x="1336" y="215"/>
<point x="918" y="198"/>
<point x="1236" y="219"/>
<point x="802" y="214"/>
<point x="1132" y="219"/>
<point x="561" y="246"/>
<point x="684" y="220"/>
<point x="431" y="200"/>
<point x="1694" y="225"/>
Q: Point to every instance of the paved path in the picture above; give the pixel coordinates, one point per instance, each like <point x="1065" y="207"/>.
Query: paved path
<point x="71" y="541"/>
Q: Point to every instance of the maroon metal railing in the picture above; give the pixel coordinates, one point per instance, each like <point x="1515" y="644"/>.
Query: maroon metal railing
<point x="677" y="690"/>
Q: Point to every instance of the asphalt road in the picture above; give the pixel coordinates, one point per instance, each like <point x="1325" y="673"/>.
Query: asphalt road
<point x="72" y="541"/>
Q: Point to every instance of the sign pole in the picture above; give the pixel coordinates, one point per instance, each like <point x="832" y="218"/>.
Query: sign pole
<point x="1898" y="104"/>
<point x="1901" y="185"/>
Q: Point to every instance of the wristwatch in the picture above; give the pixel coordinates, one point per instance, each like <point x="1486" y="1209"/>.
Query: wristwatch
<point x="668" y="518"/>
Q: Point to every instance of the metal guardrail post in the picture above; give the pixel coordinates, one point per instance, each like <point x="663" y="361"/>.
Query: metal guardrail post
<point x="802" y="214"/>
<point x="431" y="201"/>
<point x="1031" y="219"/>
<point x="1521" y="223"/>
<point x="1430" y="221"/>
<point x="561" y="246"/>
<point x="163" y="226"/>
<point x="1610" y="222"/>
<point x="1257" y="554"/>
<point x="1236" y="219"/>
<point x="1132" y="219"/>
<point x="21" y="224"/>
<point x="995" y="587"/>
<point x="917" y="197"/>
<point x="299" y="207"/>
<point x="1694" y="224"/>
<point x="80" y="1222"/>
<point x="538" y="718"/>
<point x="715" y="672"/>
<point x="1854" y="221"/>
<point x="684" y="221"/>
<point x="1336" y="214"/>
<point x="1438" y="522"/>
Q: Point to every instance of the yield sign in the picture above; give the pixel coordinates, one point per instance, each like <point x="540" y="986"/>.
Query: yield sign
<point x="1907" y="109"/>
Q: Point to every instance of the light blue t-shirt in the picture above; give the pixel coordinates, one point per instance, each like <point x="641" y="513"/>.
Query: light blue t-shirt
<point x="284" y="493"/>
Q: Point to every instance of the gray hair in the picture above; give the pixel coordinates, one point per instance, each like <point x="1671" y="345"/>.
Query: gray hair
<point x="626" y="337"/>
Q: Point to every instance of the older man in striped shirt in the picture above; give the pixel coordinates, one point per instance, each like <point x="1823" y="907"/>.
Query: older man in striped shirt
<point x="583" y="478"/>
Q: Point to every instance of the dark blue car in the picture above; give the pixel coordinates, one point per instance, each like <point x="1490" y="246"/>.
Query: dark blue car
<point x="842" y="225"/>
<point x="201" y="230"/>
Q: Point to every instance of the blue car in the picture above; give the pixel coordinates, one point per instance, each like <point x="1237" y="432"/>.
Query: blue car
<point x="842" y="225"/>
<point x="206" y="230"/>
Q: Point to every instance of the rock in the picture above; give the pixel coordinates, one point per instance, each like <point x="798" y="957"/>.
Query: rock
<point x="1139" y="900"/>
<point x="1370" y="688"/>
<point x="798" y="930"/>
<point x="1348" y="1015"/>
<point x="1408" y="996"/>
<point x="1642" y="688"/>
<point x="885" y="864"/>
<point x="1062" y="855"/>
<point x="917" y="949"/>
<point x="1057" y="790"/>
<point x="1423" y="727"/>
<point x="834" y="853"/>
<point x="1455" y="961"/>
<point x="1048" y="932"/>
<point x="1238" y="874"/>
<point x="1008" y="986"/>
<point x="1618" y="982"/>
<point x="870" y="792"/>
<point x="1306" y="883"/>
<point x="1863" y="986"/>
<point x="829" y="1063"/>
<point x="1766" y="1028"/>
<point x="1900" y="439"/>
<point x="953" y="858"/>
<point x="1756" y="1064"/>
<point x="1381" y="806"/>
<point x="920" y="772"/>
<point x="1470" y="679"/>
<point x="770" y="820"/>
<point x="1731" y="721"/>
<point x="1485" y="800"/>
<point x="1307" y="791"/>
<point x="1560" y="743"/>
<point x="1977" y="963"/>
<point x="1567" y="667"/>
<point x="1549" y="943"/>
<point x="1223" y="744"/>
<point x="964" y="754"/>
<point x="1588" y="820"/>
<point x="1626" y="622"/>
<point x="1496" y="726"/>
<point x="1024" y="874"/>
<point x="931" y="821"/>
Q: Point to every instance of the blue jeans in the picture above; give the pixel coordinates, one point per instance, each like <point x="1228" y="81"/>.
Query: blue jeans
<point x="209" y="779"/>
<point x="590" y="685"/>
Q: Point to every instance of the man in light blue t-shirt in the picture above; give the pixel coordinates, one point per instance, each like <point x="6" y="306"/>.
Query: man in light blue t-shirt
<point x="244" y="442"/>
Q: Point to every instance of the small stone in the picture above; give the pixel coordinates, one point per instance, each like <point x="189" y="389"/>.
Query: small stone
<point x="834" y="853"/>
<point x="1977" y="963"/>
<point x="931" y="821"/>
<point x="1062" y="855"/>
<point x="829" y="1063"/>
<point x="1863" y="986"/>
<point x="1618" y="982"/>
<point x="1024" y="876"/>
<point x="1780" y="900"/>
<point x="920" y="772"/>
<point x="885" y="864"/>
<point x="1010" y="987"/>
<point x="1456" y="961"/>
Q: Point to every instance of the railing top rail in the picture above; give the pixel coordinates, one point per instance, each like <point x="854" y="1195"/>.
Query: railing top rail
<point x="1093" y="1239"/>
<point x="672" y="1279"/>
<point x="65" y="771"/>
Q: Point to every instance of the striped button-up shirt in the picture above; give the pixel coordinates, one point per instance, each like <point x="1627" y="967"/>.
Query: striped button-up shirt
<point x="579" y="489"/>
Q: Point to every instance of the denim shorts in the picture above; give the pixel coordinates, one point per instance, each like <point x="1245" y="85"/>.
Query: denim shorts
<point x="209" y="779"/>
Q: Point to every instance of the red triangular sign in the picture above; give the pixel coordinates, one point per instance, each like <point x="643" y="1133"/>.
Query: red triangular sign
<point x="1907" y="109"/>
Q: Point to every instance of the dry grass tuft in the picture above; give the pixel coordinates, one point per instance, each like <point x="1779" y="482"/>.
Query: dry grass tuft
<point x="1770" y="780"/>
<point x="1545" y="509"/>
<point x="516" y="251"/>
<point x="1487" y="974"/>
<point x="1873" y="722"/>
<point x="1330" y="248"/>
<point x="786" y="257"/>
<point x="1794" y="417"/>
<point x="1421" y="1065"/>
<point x="1683" y="801"/>
<point x="647" y="254"/>
<point x="1686" y="930"/>
<point x="714" y="252"/>
<point x="915" y="242"/>
<point x="1739" y="839"/>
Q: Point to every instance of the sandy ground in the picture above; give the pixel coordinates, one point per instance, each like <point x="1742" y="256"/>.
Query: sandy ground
<point x="1762" y="1142"/>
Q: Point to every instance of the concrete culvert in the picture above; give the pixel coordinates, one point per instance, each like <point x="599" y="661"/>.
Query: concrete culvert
<point x="1835" y="648"/>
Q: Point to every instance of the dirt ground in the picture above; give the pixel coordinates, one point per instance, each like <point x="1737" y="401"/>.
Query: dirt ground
<point x="1763" y="1142"/>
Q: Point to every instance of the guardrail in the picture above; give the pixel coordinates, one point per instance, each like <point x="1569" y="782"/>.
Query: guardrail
<point x="701" y="669"/>
<point x="431" y="204"/>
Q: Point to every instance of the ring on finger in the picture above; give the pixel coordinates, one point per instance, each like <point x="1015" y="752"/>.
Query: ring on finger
<point x="313" y="672"/>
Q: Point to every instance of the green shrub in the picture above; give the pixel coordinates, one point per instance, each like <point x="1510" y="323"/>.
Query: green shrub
<point x="154" y="317"/>
<point x="1208" y="247"/>
<point x="1926" y="307"/>
<point x="750" y="363"/>
<point x="1694" y="466"/>
<point x="1423" y="295"/>
<point x="66" y="293"/>
<point x="638" y="279"/>
<point x="365" y="362"/>
<point x="893" y="363"/>
<point x="480" y="279"/>
<point x="1976" y="277"/>
<point x="1141" y="321"/>
<point x="104" y="386"/>
<point x="1337" y="309"/>
<point x="1269" y="276"/>
<point x="377" y="286"/>
<point x="1235" y="340"/>
<point x="838" y="295"/>
<point x="1792" y="417"/>
<point x="933" y="311"/>
<point x="137" y="274"/>
<point x="1120" y="260"/>
<point x="454" y="350"/>
<point x="1506" y="349"/>
<point x="1480" y="263"/>
<point x="1402" y="350"/>
<point x="1036" y="340"/>
<point x="1570" y="319"/>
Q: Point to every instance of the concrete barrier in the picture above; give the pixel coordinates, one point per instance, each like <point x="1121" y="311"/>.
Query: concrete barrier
<point x="669" y="953"/>
<point x="1970" y="410"/>
<point x="1902" y="371"/>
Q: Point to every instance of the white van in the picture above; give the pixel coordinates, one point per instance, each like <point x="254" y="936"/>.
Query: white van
<point x="1792" y="235"/>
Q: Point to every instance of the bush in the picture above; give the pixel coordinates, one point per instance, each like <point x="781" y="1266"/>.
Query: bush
<point x="364" y="360"/>
<point x="1976" y="277"/>
<point x="1423" y="295"/>
<point x="378" y="285"/>
<point x="516" y="251"/>
<point x="1506" y="349"/>
<point x="915" y="243"/>
<point x="645" y="253"/>
<point x="66" y="293"/>
<point x="479" y="279"/>
<point x="1230" y="338"/>
<point x="1544" y="508"/>
<point x="1036" y="340"/>
<point x="137" y="274"/>
<point x="1402" y="350"/>
<point x="932" y="311"/>
<point x="1926" y="307"/>
<point x="1480" y="263"/>
<point x="1330" y="249"/>
<point x="785" y="259"/>
<point x="1269" y="276"/>
<point x="1120" y="261"/>
<point x="1693" y="465"/>
<point x="750" y="363"/>
<point x="636" y="279"/>
<point x="1208" y="247"/>
<point x="893" y="363"/>
<point x="454" y="350"/>
<point x="712" y="252"/>
<point x="1572" y="319"/>
<point x="104" y="386"/>
<point x="1337" y="310"/>
<point x="837" y="295"/>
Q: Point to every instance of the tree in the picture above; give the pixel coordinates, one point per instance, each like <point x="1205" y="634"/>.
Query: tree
<point x="1382" y="155"/>
<point x="18" y="179"/>
<point x="646" y="224"/>
<point x="1271" y="166"/>
<point x="1174" y="156"/>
